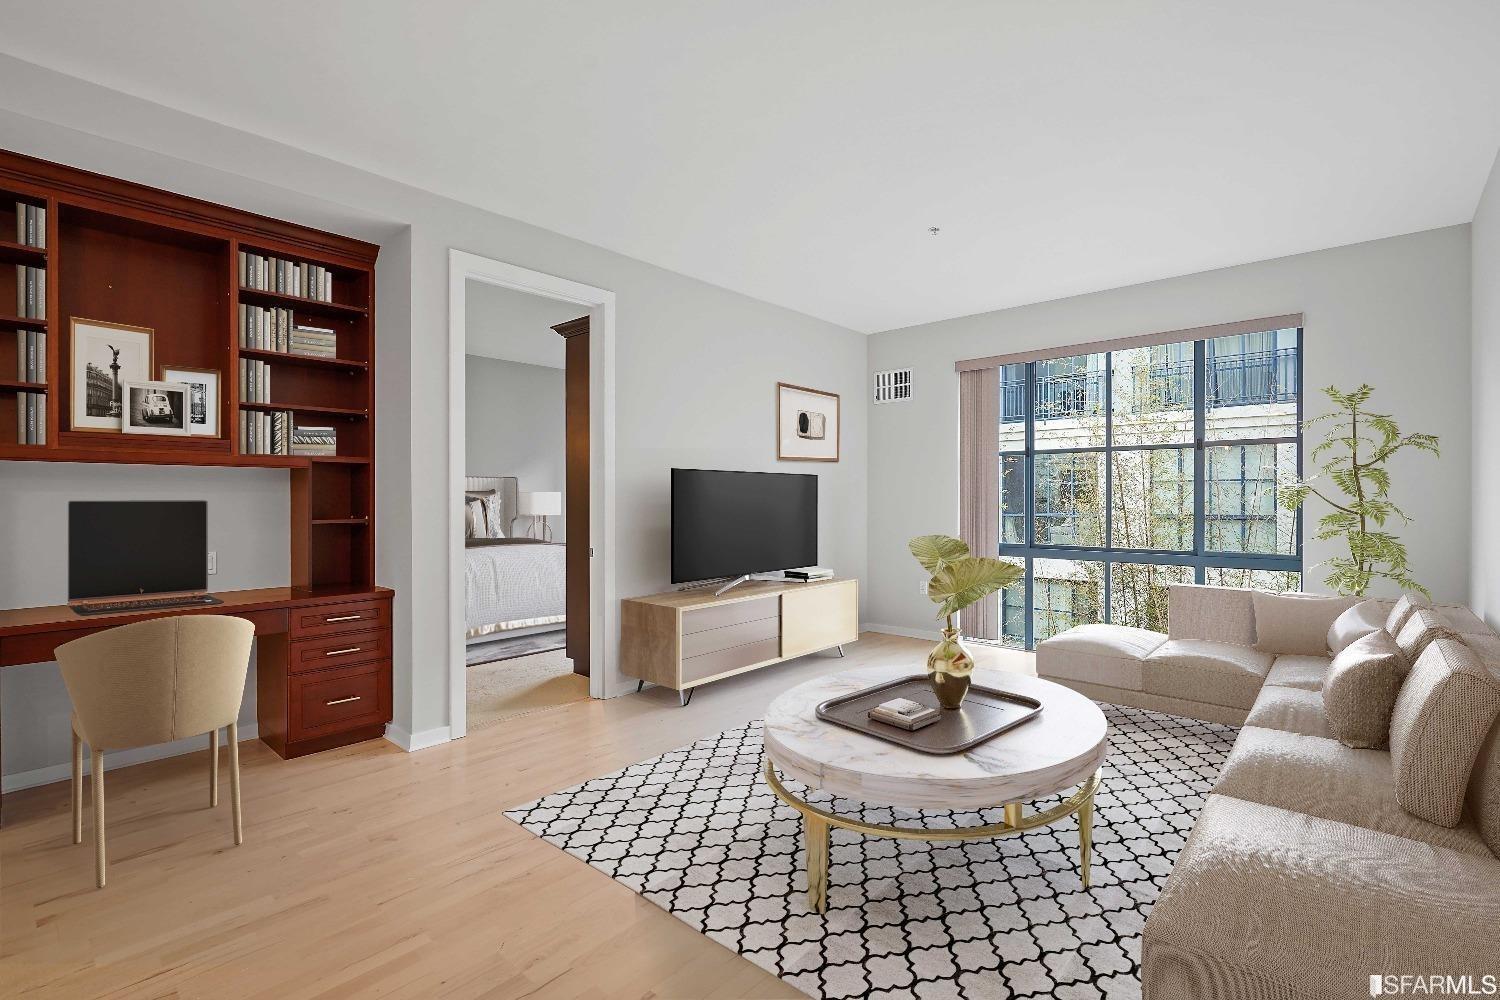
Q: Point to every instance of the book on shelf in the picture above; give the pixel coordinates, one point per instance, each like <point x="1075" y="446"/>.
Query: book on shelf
<point x="31" y="292"/>
<point x="255" y="381"/>
<point x="285" y="277"/>
<point x="265" y="433"/>
<point x="263" y="329"/>
<point x="31" y="355"/>
<point x="31" y="225"/>
<point x="31" y="418"/>
<point x="315" y="341"/>
<point x="314" y="441"/>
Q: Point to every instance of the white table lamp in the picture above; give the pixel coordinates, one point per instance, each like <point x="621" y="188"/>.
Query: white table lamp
<point x="540" y="505"/>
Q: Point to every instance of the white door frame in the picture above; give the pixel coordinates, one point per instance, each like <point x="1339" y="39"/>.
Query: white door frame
<point x="600" y="302"/>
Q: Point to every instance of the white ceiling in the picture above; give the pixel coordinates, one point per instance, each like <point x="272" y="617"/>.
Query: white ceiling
<point x="515" y="326"/>
<point x="798" y="152"/>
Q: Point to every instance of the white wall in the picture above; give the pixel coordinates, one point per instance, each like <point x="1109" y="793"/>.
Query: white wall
<point x="247" y="528"/>
<point x="514" y="419"/>
<point x="1484" y="589"/>
<point x="696" y="365"/>
<point x="1393" y="313"/>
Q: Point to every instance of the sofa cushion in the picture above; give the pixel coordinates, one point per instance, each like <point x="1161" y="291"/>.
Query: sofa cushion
<point x="1443" y="715"/>
<point x="1484" y="789"/>
<point x="1215" y="614"/>
<point x="1099" y="654"/>
<point x="1408" y="605"/>
<point x="1322" y="777"/>
<point x="1295" y="624"/>
<point x="1356" y="623"/>
<point x="1305" y="672"/>
<point x="1359" y="692"/>
<point x="1291" y="710"/>
<point x="1220" y="673"/>
<point x="1423" y="626"/>
<point x="1267" y="903"/>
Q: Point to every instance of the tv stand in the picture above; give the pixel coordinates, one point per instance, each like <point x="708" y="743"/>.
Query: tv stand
<point x="731" y="585"/>
<point x="684" y="639"/>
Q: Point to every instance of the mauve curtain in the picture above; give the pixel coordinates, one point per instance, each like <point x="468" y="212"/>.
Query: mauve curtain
<point x="979" y="485"/>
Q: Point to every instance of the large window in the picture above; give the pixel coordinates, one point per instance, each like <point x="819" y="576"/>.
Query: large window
<point x="1125" y="471"/>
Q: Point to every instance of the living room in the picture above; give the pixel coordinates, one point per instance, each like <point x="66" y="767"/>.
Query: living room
<point x="963" y="271"/>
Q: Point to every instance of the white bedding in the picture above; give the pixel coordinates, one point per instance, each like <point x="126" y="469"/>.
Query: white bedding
<point x="513" y="586"/>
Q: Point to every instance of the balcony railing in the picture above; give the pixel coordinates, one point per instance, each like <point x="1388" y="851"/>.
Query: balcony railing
<point x="1257" y="378"/>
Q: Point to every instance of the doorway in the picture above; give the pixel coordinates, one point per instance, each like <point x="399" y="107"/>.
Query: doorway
<point x="530" y="371"/>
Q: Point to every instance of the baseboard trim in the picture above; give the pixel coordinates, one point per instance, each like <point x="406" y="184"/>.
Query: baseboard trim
<point x="910" y="633"/>
<point x="412" y="742"/>
<point x="113" y="761"/>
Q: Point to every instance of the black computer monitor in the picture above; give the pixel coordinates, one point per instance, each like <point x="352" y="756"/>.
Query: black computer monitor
<point x="123" y="547"/>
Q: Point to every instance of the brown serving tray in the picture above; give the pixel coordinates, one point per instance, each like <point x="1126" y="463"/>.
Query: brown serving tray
<point x="986" y="713"/>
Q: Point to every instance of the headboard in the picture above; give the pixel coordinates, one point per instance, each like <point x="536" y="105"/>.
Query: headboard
<point x="507" y="488"/>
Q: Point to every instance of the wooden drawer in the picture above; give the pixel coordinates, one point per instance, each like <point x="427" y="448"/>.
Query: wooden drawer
<point x="337" y="650"/>
<point x="330" y="701"/>
<point x="331" y="619"/>
<point x="698" y="643"/>
<point x="722" y="615"/>
<point x="696" y="668"/>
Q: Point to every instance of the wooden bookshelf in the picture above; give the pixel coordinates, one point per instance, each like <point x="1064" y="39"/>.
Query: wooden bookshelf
<point x="123" y="253"/>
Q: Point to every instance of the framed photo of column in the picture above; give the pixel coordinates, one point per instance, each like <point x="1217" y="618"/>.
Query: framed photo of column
<point x="807" y="424"/>
<point x="104" y="356"/>
<point x="203" y="397"/>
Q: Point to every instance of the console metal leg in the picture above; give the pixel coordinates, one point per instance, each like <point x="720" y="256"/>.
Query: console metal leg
<point x="841" y="650"/>
<point x="639" y="685"/>
<point x="684" y="696"/>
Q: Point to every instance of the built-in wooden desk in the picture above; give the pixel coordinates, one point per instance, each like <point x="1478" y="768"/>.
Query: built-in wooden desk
<point x="323" y="656"/>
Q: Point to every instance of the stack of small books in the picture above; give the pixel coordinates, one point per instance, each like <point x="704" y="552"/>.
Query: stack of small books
<point x="905" y="713"/>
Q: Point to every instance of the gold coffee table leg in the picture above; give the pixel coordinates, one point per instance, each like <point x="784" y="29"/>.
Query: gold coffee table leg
<point x="815" y="833"/>
<point x="1012" y="813"/>
<point x="1085" y="837"/>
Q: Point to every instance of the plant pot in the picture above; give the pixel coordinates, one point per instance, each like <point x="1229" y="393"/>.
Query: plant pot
<point x="949" y="667"/>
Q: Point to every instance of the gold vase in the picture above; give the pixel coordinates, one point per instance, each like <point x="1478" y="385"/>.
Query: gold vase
<point x="948" y="668"/>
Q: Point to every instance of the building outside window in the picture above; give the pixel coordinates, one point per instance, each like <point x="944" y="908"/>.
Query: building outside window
<point x="1124" y="471"/>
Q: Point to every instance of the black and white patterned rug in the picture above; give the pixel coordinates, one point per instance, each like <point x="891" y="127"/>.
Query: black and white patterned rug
<point x="697" y="832"/>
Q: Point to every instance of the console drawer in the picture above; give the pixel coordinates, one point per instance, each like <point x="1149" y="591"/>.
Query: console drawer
<point x="330" y="619"/>
<point x="709" y="664"/>
<point x="721" y="615"/>
<point x="698" y="643"/>
<point x="330" y="701"/>
<point x="337" y="650"/>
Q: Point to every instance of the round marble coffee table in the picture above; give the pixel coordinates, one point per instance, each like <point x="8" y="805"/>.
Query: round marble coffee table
<point x="1061" y="748"/>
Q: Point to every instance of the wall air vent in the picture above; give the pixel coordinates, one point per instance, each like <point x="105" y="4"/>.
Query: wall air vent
<point x="893" y="386"/>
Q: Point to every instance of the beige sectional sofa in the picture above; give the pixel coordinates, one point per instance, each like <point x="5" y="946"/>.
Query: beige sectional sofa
<point x="1305" y="876"/>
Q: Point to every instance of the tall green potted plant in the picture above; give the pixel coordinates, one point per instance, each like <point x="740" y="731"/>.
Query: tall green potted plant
<point x="1356" y="445"/>
<point x="958" y="579"/>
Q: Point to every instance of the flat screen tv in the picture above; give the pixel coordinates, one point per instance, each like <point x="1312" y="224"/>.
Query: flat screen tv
<point x="122" y="547"/>
<point x="736" y="523"/>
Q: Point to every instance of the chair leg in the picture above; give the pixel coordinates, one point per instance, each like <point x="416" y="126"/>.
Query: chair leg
<point x="213" y="768"/>
<point x="97" y="763"/>
<point x="234" y="782"/>
<point x="77" y="789"/>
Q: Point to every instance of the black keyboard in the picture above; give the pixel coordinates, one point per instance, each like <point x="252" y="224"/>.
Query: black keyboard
<point x="145" y="604"/>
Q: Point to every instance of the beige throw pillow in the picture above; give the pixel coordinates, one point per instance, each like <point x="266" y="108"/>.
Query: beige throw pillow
<point x="1360" y="690"/>
<point x="1423" y="626"/>
<point x="1356" y="623"/>
<point x="1295" y="624"/>
<point x="1402" y="612"/>
<point x="1442" y="717"/>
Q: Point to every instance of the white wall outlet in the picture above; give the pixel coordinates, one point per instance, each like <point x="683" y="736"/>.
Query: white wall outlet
<point x="213" y="563"/>
<point x="922" y="586"/>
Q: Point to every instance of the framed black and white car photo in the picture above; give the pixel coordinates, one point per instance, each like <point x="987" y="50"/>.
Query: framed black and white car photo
<point x="203" y="397"/>
<point x="155" y="407"/>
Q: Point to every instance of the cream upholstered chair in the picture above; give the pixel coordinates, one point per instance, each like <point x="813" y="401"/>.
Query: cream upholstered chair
<point x="153" y="682"/>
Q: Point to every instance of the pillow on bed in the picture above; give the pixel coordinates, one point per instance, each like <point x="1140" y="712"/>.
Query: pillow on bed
<point x="474" y="526"/>
<point x="488" y="520"/>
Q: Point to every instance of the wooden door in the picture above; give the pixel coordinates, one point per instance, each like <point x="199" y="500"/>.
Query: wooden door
<point x="576" y="499"/>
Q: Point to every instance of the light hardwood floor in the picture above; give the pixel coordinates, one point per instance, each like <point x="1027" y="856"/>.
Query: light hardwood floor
<point x="367" y="871"/>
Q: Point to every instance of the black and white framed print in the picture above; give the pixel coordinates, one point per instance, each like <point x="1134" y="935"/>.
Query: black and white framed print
<point x="104" y="356"/>
<point x="203" y="397"/>
<point x="807" y="424"/>
<point x="155" y="407"/>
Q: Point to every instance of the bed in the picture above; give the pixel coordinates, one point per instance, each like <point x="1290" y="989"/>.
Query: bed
<point x="512" y="586"/>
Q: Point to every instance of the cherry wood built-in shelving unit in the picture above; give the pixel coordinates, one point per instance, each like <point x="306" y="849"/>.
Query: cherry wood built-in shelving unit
<point x="124" y="253"/>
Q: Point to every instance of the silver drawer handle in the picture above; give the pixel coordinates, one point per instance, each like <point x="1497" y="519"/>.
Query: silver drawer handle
<point x="343" y="618"/>
<point x="341" y="652"/>
<point x="342" y="701"/>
